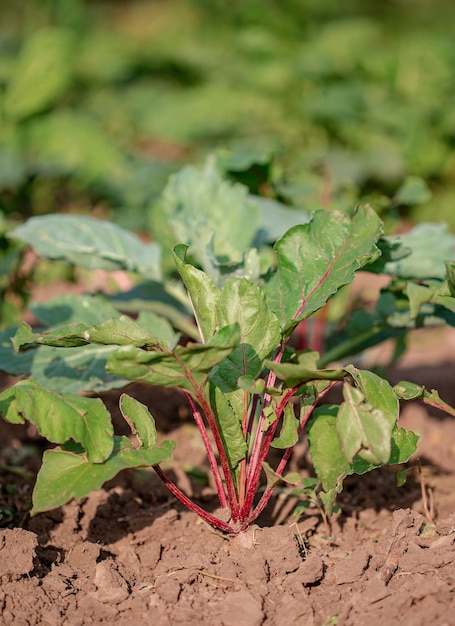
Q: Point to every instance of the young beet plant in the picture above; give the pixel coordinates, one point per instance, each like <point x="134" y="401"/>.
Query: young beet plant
<point x="247" y="389"/>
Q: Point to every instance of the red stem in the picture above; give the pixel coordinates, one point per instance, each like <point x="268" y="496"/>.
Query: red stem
<point x="231" y="492"/>
<point x="208" y="517"/>
<point x="281" y="467"/>
<point x="256" y="470"/>
<point x="208" y="448"/>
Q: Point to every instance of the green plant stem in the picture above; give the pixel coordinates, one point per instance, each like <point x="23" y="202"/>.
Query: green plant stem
<point x="208" y="448"/>
<point x="208" y="517"/>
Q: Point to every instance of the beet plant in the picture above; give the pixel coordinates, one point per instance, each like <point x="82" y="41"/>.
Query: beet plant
<point x="249" y="390"/>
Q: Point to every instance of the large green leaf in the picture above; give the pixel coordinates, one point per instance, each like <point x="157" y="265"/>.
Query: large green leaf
<point x="203" y="293"/>
<point x="43" y="71"/>
<point x="243" y="303"/>
<point x="91" y="243"/>
<point x="363" y="429"/>
<point x="328" y="458"/>
<point x="201" y="207"/>
<point x="61" y="417"/>
<point x="75" y="370"/>
<point x="430" y="246"/>
<point x="83" y="309"/>
<point x="185" y="367"/>
<point x="65" y="475"/>
<point x="315" y="259"/>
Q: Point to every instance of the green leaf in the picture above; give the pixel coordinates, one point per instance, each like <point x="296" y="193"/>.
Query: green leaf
<point x="243" y="303"/>
<point x="10" y="362"/>
<point x="329" y="461"/>
<point x="289" y="431"/>
<point x="251" y="384"/>
<point x="185" y="367"/>
<point x="330" y="464"/>
<point x="363" y="429"/>
<point x="304" y="369"/>
<point x="230" y="426"/>
<point x="42" y="73"/>
<point x="418" y="295"/>
<point x="377" y="391"/>
<point x="203" y="293"/>
<point x="410" y="391"/>
<point x="450" y="270"/>
<point x="413" y="191"/>
<point x="81" y="309"/>
<point x="430" y="245"/>
<point x="60" y="417"/>
<point x="277" y="218"/>
<point x="65" y="475"/>
<point x="200" y="206"/>
<point x="315" y="259"/>
<point x="139" y="419"/>
<point x="75" y="370"/>
<point x="90" y="243"/>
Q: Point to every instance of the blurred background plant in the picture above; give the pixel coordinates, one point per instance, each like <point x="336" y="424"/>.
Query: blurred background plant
<point x="312" y="104"/>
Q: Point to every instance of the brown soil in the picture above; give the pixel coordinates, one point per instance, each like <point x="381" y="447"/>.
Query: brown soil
<point x="129" y="554"/>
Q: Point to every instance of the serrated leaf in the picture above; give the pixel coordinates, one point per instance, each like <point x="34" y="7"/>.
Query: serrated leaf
<point x="315" y="259"/>
<point x="304" y="368"/>
<point x="185" y="367"/>
<point x="43" y="71"/>
<point x="289" y="431"/>
<point x="90" y="243"/>
<point x="363" y="429"/>
<point x="203" y="293"/>
<point x="139" y="419"/>
<point x="60" y="417"/>
<point x="65" y="475"/>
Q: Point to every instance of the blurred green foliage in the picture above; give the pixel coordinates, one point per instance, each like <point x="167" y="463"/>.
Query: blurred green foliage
<point x="316" y="104"/>
<point x="101" y="100"/>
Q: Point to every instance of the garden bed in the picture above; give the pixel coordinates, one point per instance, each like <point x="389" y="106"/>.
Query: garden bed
<point x="130" y="553"/>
